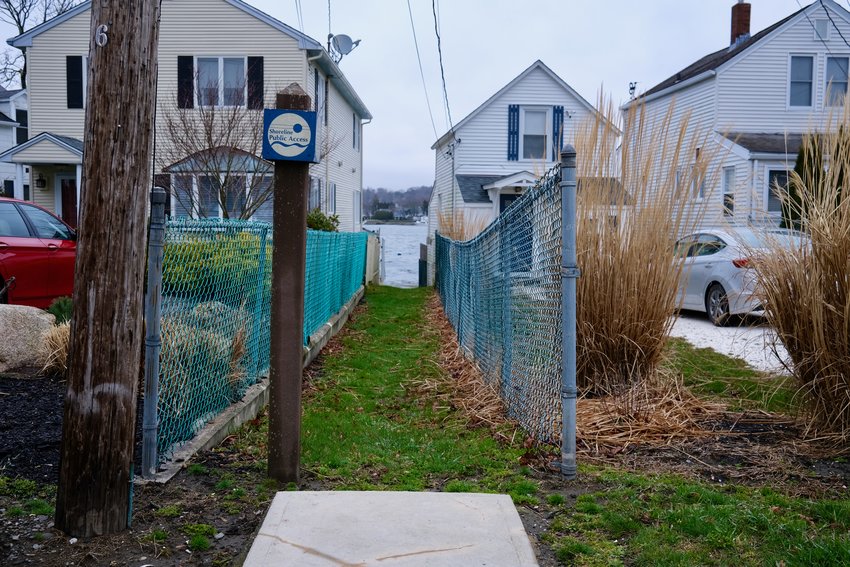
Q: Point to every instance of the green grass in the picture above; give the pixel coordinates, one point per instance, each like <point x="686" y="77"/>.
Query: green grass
<point x="366" y="426"/>
<point x="170" y="511"/>
<point x="667" y="520"/>
<point x="730" y="380"/>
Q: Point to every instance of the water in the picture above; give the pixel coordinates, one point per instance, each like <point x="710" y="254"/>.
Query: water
<point x="401" y="252"/>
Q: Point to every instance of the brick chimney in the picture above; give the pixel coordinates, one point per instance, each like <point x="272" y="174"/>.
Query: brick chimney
<point x="740" y="21"/>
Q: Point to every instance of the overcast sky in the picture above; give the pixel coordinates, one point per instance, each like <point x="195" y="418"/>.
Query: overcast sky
<point x="591" y="44"/>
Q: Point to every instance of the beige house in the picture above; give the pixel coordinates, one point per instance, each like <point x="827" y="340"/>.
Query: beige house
<point x="215" y="56"/>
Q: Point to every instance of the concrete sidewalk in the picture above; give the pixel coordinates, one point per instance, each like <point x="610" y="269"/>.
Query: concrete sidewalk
<point x="391" y="529"/>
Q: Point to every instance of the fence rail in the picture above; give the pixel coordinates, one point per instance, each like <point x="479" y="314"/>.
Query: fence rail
<point x="215" y="313"/>
<point x="504" y="294"/>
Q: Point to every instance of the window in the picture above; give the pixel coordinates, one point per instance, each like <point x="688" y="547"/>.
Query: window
<point x="707" y="244"/>
<point x="355" y="132"/>
<point x="836" y="80"/>
<point x="314" y="200"/>
<point x="728" y="191"/>
<point x="332" y="198"/>
<point x="777" y="180"/>
<point x="11" y="222"/>
<point x="221" y="81"/>
<point x="800" y="87"/>
<point x="46" y="225"/>
<point x="821" y="30"/>
<point x="534" y="133"/>
<point x="690" y="183"/>
<point x="320" y="91"/>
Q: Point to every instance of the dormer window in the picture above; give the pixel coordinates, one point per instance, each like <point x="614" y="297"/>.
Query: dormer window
<point x="821" y="29"/>
<point x="800" y="84"/>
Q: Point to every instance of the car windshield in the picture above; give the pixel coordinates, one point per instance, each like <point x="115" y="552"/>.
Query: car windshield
<point x="766" y="238"/>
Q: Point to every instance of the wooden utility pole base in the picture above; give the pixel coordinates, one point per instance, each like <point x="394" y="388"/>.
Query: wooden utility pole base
<point x="96" y="458"/>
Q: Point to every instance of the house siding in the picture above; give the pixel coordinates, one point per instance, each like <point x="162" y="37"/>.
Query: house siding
<point x="753" y="89"/>
<point x="46" y="152"/>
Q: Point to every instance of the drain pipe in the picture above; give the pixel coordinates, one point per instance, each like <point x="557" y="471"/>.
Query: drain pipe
<point x="569" y="273"/>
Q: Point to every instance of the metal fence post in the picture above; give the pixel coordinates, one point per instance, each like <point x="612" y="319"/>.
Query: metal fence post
<point x="258" y="303"/>
<point x="569" y="273"/>
<point x="153" y="341"/>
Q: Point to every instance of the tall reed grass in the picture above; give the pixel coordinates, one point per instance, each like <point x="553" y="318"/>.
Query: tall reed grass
<point x="806" y="288"/>
<point x="632" y="205"/>
<point x="462" y="225"/>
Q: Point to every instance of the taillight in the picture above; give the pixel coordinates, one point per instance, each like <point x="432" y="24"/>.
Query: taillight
<point x="741" y="263"/>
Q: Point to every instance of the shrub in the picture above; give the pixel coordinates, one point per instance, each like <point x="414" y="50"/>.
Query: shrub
<point x="55" y="345"/>
<point x="383" y="215"/>
<point x="317" y="220"/>
<point x="62" y="308"/>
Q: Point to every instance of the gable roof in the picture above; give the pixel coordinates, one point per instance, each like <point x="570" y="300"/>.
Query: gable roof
<point x="767" y="143"/>
<point x="536" y="65"/>
<point x="304" y="41"/>
<point x="72" y="145"/>
<point x="713" y="61"/>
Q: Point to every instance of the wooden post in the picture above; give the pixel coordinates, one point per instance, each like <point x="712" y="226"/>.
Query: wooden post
<point x="96" y="459"/>
<point x="289" y="235"/>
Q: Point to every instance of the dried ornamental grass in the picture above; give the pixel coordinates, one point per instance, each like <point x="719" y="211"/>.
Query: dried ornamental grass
<point x="461" y="225"/>
<point x="806" y="290"/>
<point x="632" y="206"/>
<point x="55" y="345"/>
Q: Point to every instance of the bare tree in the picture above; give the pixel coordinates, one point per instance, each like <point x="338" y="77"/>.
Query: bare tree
<point x="213" y="151"/>
<point x="23" y="15"/>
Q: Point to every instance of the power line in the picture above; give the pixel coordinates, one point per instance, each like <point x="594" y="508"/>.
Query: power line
<point x="299" y="15"/>
<point x="421" y="72"/>
<point x="442" y="70"/>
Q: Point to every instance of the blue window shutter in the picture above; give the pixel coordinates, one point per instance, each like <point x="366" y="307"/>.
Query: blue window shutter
<point x="256" y="87"/>
<point x="557" y="131"/>
<point x="185" y="81"/>
<point x="513" y="132"/>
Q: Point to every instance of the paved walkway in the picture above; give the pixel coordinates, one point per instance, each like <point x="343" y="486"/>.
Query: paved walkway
<point x="391" y="529"/>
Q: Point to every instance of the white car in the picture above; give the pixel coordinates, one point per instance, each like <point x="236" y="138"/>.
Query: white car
<point x="717" y="276"/>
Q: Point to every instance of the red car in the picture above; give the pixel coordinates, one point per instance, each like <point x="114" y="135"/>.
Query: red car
<point x="37" y="252"/>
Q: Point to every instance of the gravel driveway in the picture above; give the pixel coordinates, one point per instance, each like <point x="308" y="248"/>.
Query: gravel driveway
<point x="750" y="339"/>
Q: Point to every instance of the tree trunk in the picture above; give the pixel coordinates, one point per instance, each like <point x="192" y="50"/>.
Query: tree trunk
<point x="96" y="461"/>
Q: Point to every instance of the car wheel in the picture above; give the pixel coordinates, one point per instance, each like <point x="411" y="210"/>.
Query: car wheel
<point x="717" y="305"/>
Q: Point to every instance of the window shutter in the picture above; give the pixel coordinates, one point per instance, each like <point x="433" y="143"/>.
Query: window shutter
<point x="513" y="132"/>
<point x="185" y="81"/>
<point x="256" y="87"/>
<point x="557" y="131"/>
<point x="74" y="80"/>
<point x="164" y="180"/>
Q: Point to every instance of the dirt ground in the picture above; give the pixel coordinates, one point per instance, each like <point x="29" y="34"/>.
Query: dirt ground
<point x="226" y="489"/>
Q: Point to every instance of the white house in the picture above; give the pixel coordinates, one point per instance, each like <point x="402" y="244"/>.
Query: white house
<point x="13" y="130"/>
<point x="214" y="55"/>
<point x="502" y="147"/>
<point x="756" y="98"/>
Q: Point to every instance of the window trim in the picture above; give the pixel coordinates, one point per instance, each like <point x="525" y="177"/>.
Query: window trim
<point x="812" y="106"/>
<point x="818" y="36"/>
<point x="826" y="85"/>
<point x="221" y="97"/>
<point x="547" y="124"/>
<point x="726" y="190"/>
<point x="692" y="194"/>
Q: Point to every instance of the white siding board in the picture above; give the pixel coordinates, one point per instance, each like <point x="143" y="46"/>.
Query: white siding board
<point x="46" y="152"/>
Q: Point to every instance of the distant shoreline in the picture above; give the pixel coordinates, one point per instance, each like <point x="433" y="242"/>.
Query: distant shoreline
<point x="398" y="222"/>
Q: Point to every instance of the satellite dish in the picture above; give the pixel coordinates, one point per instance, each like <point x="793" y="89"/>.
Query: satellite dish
<point x="343" y="44"/>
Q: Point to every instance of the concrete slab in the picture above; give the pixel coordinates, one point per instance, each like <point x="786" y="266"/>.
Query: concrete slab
<point x="391" y="529"/>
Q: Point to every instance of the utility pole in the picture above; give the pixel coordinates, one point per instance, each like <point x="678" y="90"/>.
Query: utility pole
<point x="96" y="459"/>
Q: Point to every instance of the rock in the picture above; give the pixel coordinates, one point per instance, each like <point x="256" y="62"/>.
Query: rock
<point x="72" y="541"/>
<point x="22" y="329"/>
<point x="219" y="535"/>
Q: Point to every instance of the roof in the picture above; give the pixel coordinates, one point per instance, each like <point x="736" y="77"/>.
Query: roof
<point x="761" y="143"/>
<point x="536" y="65"/>
<point x="713" y="61"/>
<point x="6" y="120"/>
<point x="312" y="47"/>
<point x="7" y="94"/>
<point x="304" y="41"/>
<point x="73" y="145"/>
<point x="472" y="188"/>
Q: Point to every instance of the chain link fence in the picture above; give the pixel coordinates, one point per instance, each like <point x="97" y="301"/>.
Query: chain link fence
<point x="501" y="291"/>
<point x="215" y="313"/>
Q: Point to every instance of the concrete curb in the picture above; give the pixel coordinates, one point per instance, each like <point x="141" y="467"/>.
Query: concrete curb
<point x="255" y="399"/>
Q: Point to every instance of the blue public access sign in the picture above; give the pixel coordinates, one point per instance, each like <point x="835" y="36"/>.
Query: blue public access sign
<point x="289" y="135"/>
